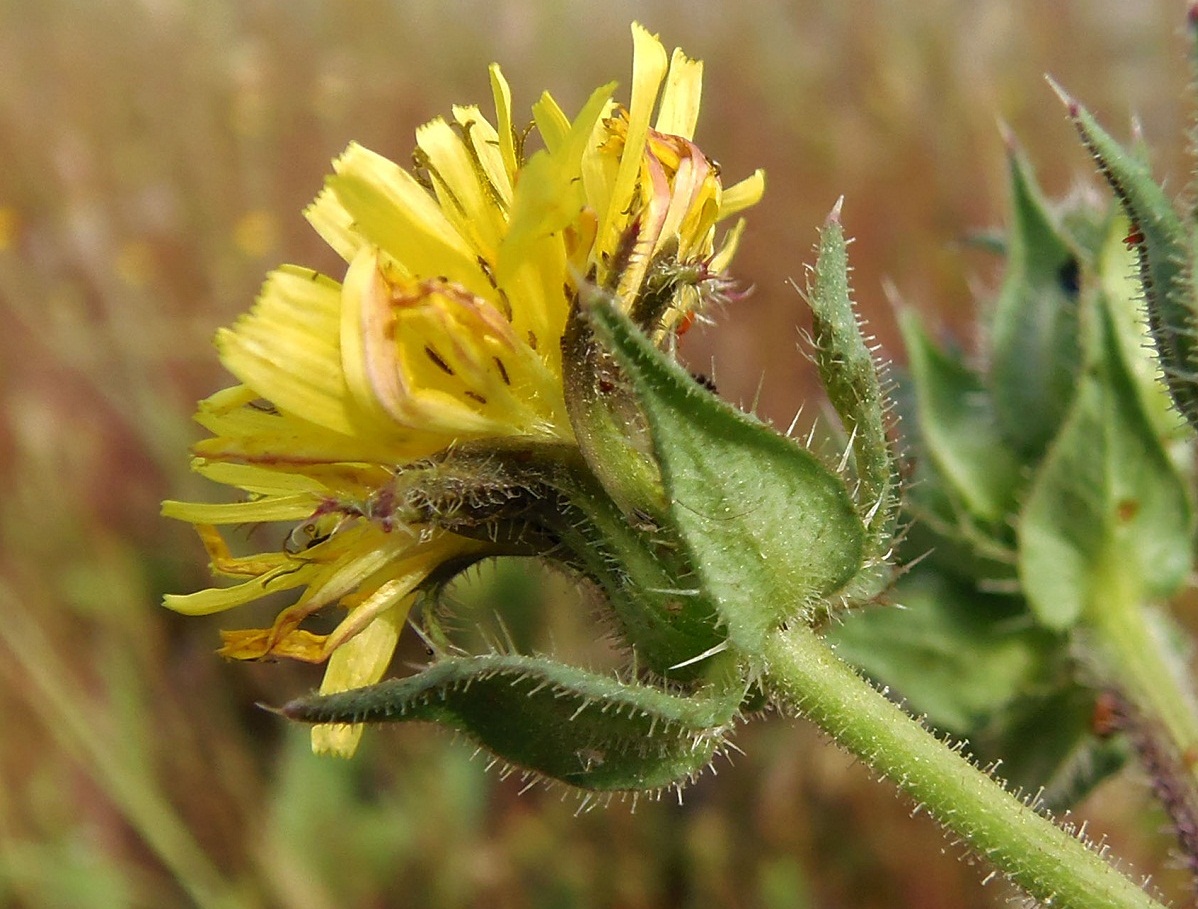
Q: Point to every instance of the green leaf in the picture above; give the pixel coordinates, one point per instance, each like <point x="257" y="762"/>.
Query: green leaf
<point x="953" y="654"/>
<point x="1166" y="257"/>
<point x="771" y="530"/>
<point x="1047" y="744"/>
<point x="587" y="730"/>
<point x="1106" y="506"/>
<point x="1124" y="299"/>
<point x="958" y="429"/>
<point x="667" y="620"/>
<point x="1036" y="351"/>
<point x="850" y="377"/>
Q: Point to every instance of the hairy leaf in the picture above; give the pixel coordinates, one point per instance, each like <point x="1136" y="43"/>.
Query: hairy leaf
<point x="588" y="730"/>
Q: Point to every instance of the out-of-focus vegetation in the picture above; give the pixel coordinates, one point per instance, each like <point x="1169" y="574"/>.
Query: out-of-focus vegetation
<point x="156" y="156"/>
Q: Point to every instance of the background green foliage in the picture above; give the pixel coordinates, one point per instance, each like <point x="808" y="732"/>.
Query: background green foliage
<point x="156" y="157"/>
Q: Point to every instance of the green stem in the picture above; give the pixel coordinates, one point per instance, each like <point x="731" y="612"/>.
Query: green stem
<point x="803" y="674"/>
<point x="1133" y="655"/>
<point x="1127" y="644"/>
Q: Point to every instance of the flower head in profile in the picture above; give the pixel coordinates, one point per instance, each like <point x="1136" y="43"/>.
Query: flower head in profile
<point x="444" y="333"/>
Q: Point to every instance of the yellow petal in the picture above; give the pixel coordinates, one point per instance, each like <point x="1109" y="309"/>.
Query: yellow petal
<point x="648" y="69"/>
<point x="259" y="480"/>
<point x="355" y="555"/>
<point x="680" y="99"/>
<point x="502" y="94"/>
<point x="334" y="224"/>
<point x="741" y="195"/>
<point x="552" y="122"/>
<point x="288" y="349"/>
<point x="549" y="197"/>
<point x="218" y="599"/>
<point x="359" y="662"/>
<point x="720" y="260"/>
<point x="270" y="508"/>
<point x="394" y="212"/>
<point x="291" y="444"/>
<point x="475" y="213"/>
<point x="483" y="140"/>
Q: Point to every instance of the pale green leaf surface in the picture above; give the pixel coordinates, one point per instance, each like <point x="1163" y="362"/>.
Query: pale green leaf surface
<point x="771" y="529"/>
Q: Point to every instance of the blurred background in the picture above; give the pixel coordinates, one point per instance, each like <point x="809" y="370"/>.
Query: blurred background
<point x="155" y="159"/>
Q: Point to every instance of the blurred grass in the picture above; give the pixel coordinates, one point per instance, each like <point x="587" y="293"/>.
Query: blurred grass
<point x="156" y="158"/>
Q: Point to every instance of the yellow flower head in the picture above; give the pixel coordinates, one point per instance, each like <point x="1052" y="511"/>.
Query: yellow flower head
<point x="445" y="331"/>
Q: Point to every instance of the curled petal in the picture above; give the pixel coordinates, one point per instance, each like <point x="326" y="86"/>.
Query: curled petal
<point x="742" y="195"/>
<point x="218" y="599"/>
<point x="258" y="643"/>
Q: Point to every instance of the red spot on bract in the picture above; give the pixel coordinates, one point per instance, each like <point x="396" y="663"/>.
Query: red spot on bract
<point x="1134" y="238"/>
<point x="1104" y="721"/>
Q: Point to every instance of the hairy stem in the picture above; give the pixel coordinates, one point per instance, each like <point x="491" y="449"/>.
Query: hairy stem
<point x="1128" y="646"/>
<point x="802" y="674"/>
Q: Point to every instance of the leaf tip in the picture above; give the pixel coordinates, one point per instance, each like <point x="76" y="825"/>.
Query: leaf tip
<point x="834" y="215"/>
<point x="1008" y="137"/>
<point x="1068" y="100"/>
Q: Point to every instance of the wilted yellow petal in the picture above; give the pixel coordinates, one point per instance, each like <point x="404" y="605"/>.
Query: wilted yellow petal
<point x="260" y="643"/>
